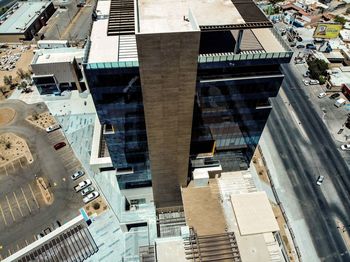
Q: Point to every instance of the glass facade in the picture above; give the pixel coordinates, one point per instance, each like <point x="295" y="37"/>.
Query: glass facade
<point x="118" y="100"/>
<point x="231" y="109"/>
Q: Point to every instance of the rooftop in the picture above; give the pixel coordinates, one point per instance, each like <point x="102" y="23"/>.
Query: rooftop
<point x="58" y="55"/>
<point x="250" y="208"/>
<point x="22" y="15"/>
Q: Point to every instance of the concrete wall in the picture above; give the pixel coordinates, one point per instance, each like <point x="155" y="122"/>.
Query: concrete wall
<point x="64" y="72"/>
<point x="168" y="69"/>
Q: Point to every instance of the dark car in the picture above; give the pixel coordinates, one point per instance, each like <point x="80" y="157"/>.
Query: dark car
<point x="59" y="145"/>
<point x="300" y="46"/>
<point x="334" y="96"/>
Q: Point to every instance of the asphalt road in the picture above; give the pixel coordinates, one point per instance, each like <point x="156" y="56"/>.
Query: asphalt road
<point x="55" y="166"/>
<point x="307" y="151"/>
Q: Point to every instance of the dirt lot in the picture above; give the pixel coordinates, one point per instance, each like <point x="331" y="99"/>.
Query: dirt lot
<point x="23" y="63"/>
<point x="6" y="115"/>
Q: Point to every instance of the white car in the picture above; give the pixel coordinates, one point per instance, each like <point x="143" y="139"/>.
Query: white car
<point x="87" y="190"/>
<point x="314" y="82"/>
<point x="322" y="95"/>
<point x="345" y="147"/>
<point x="77" y="174"/>
<point x="91" y="197"/>
<point x="320" y="180"/>
<point x="306" y="82"/>
<point x="53" y="128"/>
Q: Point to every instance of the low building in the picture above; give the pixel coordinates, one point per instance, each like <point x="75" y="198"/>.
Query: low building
<point x="24" y="19"/>
<point x="57" y="70"/>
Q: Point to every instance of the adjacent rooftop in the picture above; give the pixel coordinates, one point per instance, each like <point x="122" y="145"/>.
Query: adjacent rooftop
<point x="21" y="16"/>
<point x="59" y="55"/>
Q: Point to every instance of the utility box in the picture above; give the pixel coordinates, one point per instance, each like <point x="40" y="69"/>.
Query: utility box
<point x="200" y="177"/>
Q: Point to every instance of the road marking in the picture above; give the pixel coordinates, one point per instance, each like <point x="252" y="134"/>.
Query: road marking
<point x="31" y="190"/>
<point x="9" y="251"/>
<point x="7" y="174"/>
<point x="3" y="216"/>
<point x="8" y="203"/>
<point x="25" y="198"/>
<point x="26" y="242"/>
<point x="20" y="210"/>
<point x="18" y="247"/>
<point x="14" y="169"/>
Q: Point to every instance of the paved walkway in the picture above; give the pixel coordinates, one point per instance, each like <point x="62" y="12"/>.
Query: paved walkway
<point x="287" y="196"/>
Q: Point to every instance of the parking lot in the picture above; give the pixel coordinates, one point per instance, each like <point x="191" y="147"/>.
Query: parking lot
<point x="23" y="212"/>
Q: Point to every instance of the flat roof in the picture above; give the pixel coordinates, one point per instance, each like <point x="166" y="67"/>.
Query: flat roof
<point x="202" y="208"/>
<point x="57" y="55"/>
<point x="170" y="249"/>
<point x="253" y="213"/>
<point x="22" y="17"/>
<point x="168" y="15"/>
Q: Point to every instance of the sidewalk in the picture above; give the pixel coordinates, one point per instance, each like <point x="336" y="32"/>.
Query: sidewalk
<point x="287" y="197"/>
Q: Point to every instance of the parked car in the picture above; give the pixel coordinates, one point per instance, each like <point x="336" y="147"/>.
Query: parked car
<point x="300" y="46"/>
<point x="59" y="145"/>
<point x="314" y="82"/>
<point x="310" y="46"/>
<point x="322" y="95"/>
<point x="306" y="74"/>
<point x="306" y="82"/>
<point x="320" y="180"/>
<point x="40" y="235"/>
<point x="334" y="96"/>
<point x="91" y="197"/>
<point x="77" y="174"/>
<point x="87" y="190"/>
<point x="345" y="147"/>
<point x="53" y="128"/>
<point x="82" y="185"/>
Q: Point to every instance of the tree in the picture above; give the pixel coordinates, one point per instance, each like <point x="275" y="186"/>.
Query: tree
<point x="8" y="80"/>
<point x="35" y="116"/>
<point x="21" y="74"/>
<point x="23" y="85"/>
<point x="340" y="19"/>
<point x="317" y="68"/>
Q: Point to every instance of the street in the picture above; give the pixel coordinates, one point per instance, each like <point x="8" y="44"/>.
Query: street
<point x="306" y="150"/>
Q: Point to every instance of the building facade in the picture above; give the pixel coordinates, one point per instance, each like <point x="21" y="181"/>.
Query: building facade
<point x="181" y="90"/>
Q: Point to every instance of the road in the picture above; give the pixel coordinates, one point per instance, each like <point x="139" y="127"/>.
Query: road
<point x="55" y="166"/>
<point x="307" y="150"/>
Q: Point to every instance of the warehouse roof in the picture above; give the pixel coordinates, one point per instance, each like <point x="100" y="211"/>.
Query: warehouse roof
<point x="18" y="18"/>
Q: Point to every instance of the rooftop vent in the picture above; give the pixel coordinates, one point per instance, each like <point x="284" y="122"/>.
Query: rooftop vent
<point x="121" y="18"/>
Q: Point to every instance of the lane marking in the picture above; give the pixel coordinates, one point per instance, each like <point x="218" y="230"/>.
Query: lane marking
<point x="20" y="210"/>
<point x="18" y="247"/>
<point x="9" y="251"/>
<point x="10" y="208"/>
<point x="25" y="198"/>
<point x="26" y="242"/>
<point x="31" y="190"/>
<point x="3" y="216"/>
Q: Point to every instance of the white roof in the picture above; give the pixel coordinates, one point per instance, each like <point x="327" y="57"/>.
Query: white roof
<point x="168" y="15"/>
<point x="253" y="213"/>
<point x="23" y="16"/>
<point x="58" y="55"/>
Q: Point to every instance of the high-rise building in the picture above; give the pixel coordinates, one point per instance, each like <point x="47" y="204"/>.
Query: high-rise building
<point x="180" y="85"/>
